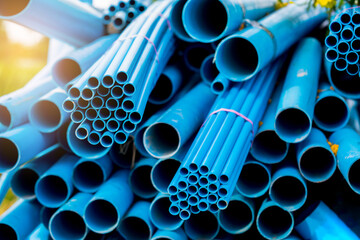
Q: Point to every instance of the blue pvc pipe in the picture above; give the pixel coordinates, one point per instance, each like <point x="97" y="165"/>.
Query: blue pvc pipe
<point x="176" y="126"/>
<point x="160" y="216"/>
<point x="123" y="154"/>
<point x="72" y="18"/>
<point x="254" y="180"/>
<point x="45" y="215"/>
<point x="243" y="54"/>
<point x="331" y="110"/>
<point x="177" y="234"/>
<point x="341" y="64"/>
<point x="89" y="174"/>
<point x="195" y="54"/>
<point x="322" y="223"/>
<point x="315" y="159"/>
<point x="55" y="187"/>
<point x="40" y="232"/>
<point x="57" y="49"/>
<point x="140" y="179"/>
<point x="295" y="111"/>
<point x="335" y="26"/>
<point x="15" y="149"/>
<point x="24" y="179"/>
<point x="177" y="23"/>
<point x="104" y="211"/>
<point x="331" y="40"/>
<point x="204" y="225"/>
<point x="83" y="148"/>
<point x="274" y="222"/>
<point x="5" y="181"/>
<point x="348" y="155"/>
<point x="267" y="146"/>
<point x="67" y="222"/>
<point x="137" y="224"/>
<point x="343" y="47"/>
<point x="199" y="21"/>
<point x="239" y="216"/>
<point x="208" y="70"/>
<point x="331" y="55"/>
<point x="220" y="84"/>
<point x="347" y="33"/>
<point x="287" y="188"/>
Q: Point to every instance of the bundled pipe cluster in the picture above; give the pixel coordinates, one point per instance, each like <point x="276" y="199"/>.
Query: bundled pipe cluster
<point x="218" y="133"/>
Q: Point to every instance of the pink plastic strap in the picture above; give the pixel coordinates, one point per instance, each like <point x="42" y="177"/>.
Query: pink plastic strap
<point x="167" y="20"/>
<point x="337" y="15"/>
<point x="145" y="37"/>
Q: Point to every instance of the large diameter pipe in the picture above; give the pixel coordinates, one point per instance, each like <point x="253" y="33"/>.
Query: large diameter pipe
<point x="177" y="234"/>
<point x="55" y="186"/>
<point x="45" y="215"/>
<point x="140" y="179"/>
<point x="68" y="222"/>
<point x="176" y="126"/>
<point x="74" y="22"/>
<point x="40" y="232"/>
<point x="20" y="220"/>
<point x="137" y="224"/>
<point x="243" y="54"/>
<point x="323" y="224"/>
<point x="5" y="183"/>
<point x="316" y="161"/>
<point x="295" y="110"/>
<point x="104" y="211"/>
<point x="122" y="155"/>
<point x="204" y="225"/>
<point x="177" y="23"/>
<point x="15" y="148"/>
<point x="199" y="22"/>
<point x="348" y="153"/>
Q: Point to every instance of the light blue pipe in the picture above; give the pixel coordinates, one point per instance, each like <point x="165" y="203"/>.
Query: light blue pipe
<point x="220" y="84"/>
<point x="68" y="105"/>
<point x="15" y="149"/>
<point x="267" y="146"/>
<point x="55" y="187"/>
<point x="341" y="64"/>
<point x="89" y="174"/>
<point x="335" y="26"/>
<point x="24" y="180"/>
<point x="107" y="139"/>
<point x="295" y="111"/>
<point x="254" y="180"/>
<point x="355" y="44"/>
<point x="91" y="114"/>
<point x="352" y="69"/>
<point x="72" y="18"/>
<point x="331" y="55"/>
<point x="104" y="113"/>
<point x="94" y="137"/>
<point x="80" y="60"/>
<point x="45" y="216"/>
<point x="160" y="216"/>
<point x="331" y="110"/>
<point x="140" y="180"/>
<point x="67" y="222"/>
<point x="315" y="159"/>
<point x="266" y="224"/>
<point x="175" y="123"/>
<point x="57" y="49"/>
<point x="343" y="47"/>
<point x="83" y="130"/>
<point x="104" y="211"/>
<point x="345" y="17"/>
<point x="83" y="148"/>
<point x="20" y="220"/>
<point x="176" y="20"/>
<point x="355" y="18"/>
<point x="77" y="116"/>
<point x="137" y="224"/>
<point x="113" y="125"/>
<point x="239" y="216"/>
<point x="348" y="155"/>
<point x="332" y="40"/>
<point x="352" y="58"/>
<point x="14" y="107"/>
<point x="40" y="232"/>
<point x="120" y="19"/>
<point x="288" y="189"/>
<point x="200" y="24"/>
<point x="322" y="223"/>
<point x="5" y="181"/>
<point x="347" y="33"/>
<point x="243" y="54"/>
<point x="177" y="234"/>
<point x="202" y="226"/>
<point x="47" y="114"/>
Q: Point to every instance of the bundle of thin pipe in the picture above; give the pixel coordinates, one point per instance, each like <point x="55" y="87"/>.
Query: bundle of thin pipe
<point x="211" y="157"/>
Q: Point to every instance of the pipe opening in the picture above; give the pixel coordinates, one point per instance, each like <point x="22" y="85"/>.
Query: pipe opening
<point x="140" y="182"/>
<point x="5" y="116"/>
<point x="135" y="117"/>
<point x="332" y="55"/>
<point x="120" y="137"/>
<point x="355" y="45"/>
<point x="273" y="229"/>
<point x="193" y="200"/>
<point x="163" y="173"/>
<point x="141" y="8"/>
<point x="129" y="88"/>
<point x="101" y="215"/>
<point x="176" y="19"/>
<point x="331" y="113"/>
<point x="352" y="69"/>
<point x="129" y="126"/>
<point x="113" y="125"/>
<point x="203" y="205"/>
<point x="83" y="103"/>
<point x="288" y="191"/>
<point x="185" y="214"/>
<point x="213" y="187"/>
<point x="122" y="5"/>
<point x="68" y="225"/>
<point x="347" y="34"/>
<point x="112" y="8"/>
<point x="106" y="17"/>
<point x="218" y="87"/>
<point x="81" y="133"/>
<point x="317" y="164"/>
<point x="68" y="106"/>
<point x="77" y="116"/>
<point x="254" y="179"/>
<point x="335" y="27"/>
<point x="120" y="114"/>
<point x="23" y="183"/>
<point x="46" y="214"/>
<point x="162" y="140"/>
<point x="122" y="76"/>
<point x="112" y="104"/>
<point x="352" y="57"/>
<point x="182" y="195"/>
<point x="343" y="47"/>
<point x="116" y="92"/>
<point x="209" y="70"/>
<point x="97" y="102"/>
<point x="202" y="226"/>
<point x="131" y="14"/>
<point x="212" y="198"/>
<point x="160" y="215"/>
<point x="292" y="124"/>
<point x="7" y="232"/>
<point x="195" y="55"/>
<point x="103" y="91"/>
<point x="214" y="208"/>
<point x="354" y="176"/>
<point x="51" y="191"/>
<point x="192" y="179"/>
<point x="345" y="18"/>
<point x="87" y="93"/>
<point x="268" y="147"/>
<point x="104" y="113"/>
<point x="355" y="18"/>
<point x="192" y="189"/>
<point x="11" y="8"/>
<point x="134" y="228"/>
<point x="198" y="17"/>
<point x="45" y="115"/>
<point x="128" y="105"/>
<point x="331" y="41"/>
<point x="345" y="83"/>
<point x="65" y="70"/>
<point x="88" y="176"/>
<point x="182" y="185"/>
<point x="162" y="90"/>
<point x="94" y="138"/>
<point x="91" y="114"/>
<point x="106" y="141"/>
<point x="99" y="125"/>
<point x="118" y="21"/>
<point x="9" y="154"/>
<point x="108" y="81"/>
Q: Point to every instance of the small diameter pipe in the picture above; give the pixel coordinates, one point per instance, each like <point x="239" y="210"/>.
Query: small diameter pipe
<point x="220" y="84"/>
<point x="331" y="110"/>
<point x="274" y="222"/>
<point x="55" y="186"/>
<point x="316" y="161"/>
<point x="137" y="224"/>
<point x="322" y="223"/>
<point x="204" y="225"/>
<point x="239" y="216"/>
<point x="176" y="20"/>
<point x="104" y="211"/>
<point x="177" y="234"/>
<point x="208" y="70"/>
<point x="199" y="23"/>
<point x="240" y="56"/>
<point x="294" y="114"/>
<point x="89" y="174"/>
<point x="348" y="155"/>
<point x="160" y="216"/>
<point x="254" y="180"/>
<point x="140" y="179"/>
<point x="20" y="220"/>
<point x="68" y="222"/>
<point x="24" y="180"/>
<point x="15" y="149"/>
